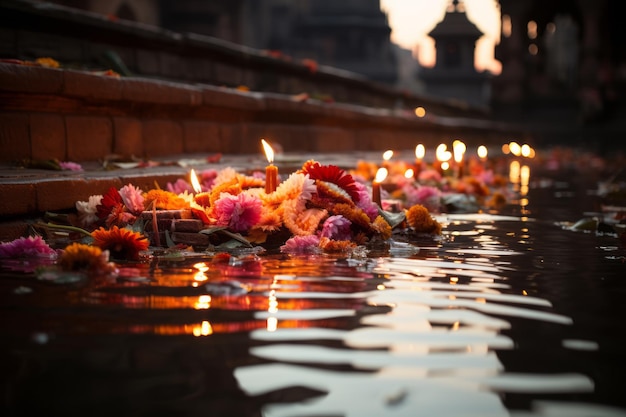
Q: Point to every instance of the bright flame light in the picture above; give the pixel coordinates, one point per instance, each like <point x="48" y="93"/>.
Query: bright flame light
<point x="458" y="148"/>
<point x="525" y="150"/>
<point x="194" y="181"/>
<point x="269" y="152"/>
<point x="409" y="173"/>
<point x="204" y="329"/>
<point x="515" y="148"/>
<point x="420" y="111"/>
<point x="482" y="152"/>
<point x="387" y="155"/>
<point x="420" y="151"/>
<point x="442" y="153"/>
<point x="381" y="174"/>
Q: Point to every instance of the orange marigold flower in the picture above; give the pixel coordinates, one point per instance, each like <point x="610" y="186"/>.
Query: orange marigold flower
<point x="330" y="245"/>
<point x="121" y="243"/>
<point x="81" y="257"/>
<point x="165" y="200"/>
<point x="230" y="187"/>
<point x="419" y="218"/>
<point x="357" y="216"/>
<point x="383" y="228"/>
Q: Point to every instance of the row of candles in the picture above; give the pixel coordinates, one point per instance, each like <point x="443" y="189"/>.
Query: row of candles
<point x="442" y="155"/>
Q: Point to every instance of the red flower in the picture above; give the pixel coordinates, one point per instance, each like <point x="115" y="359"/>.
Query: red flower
<point x="332" y="174"/>
<point x="110" y="201"/>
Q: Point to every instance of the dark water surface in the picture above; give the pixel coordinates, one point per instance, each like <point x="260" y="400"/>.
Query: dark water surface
<point x="505" y="314"/>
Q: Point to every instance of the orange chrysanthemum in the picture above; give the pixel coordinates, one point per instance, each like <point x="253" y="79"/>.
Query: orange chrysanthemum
<point x="121" y="243"/>
<point x="383" y="228"/>
<point x="81" y="257"/>
<point x="330" y="245"/>
<point x="419" y="218"/>
<point x="165" y="200"/>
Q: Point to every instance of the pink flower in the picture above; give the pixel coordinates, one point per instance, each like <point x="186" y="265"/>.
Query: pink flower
<point x="237" y="212"/>
<point x="365" y="201"/>
<point x="70" y="166"/>
<point x="429" y="197"/>
<point x="132" y="198"/>
<point x="301" y="244"/>
<point x="429" y="175"/>
<point x="32" y="246"/>
<point x="337" y="228"/>
<point x="179" y="187"/>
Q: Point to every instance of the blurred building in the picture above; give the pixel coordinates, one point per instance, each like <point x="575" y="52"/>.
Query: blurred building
<point x="454" y="75"/>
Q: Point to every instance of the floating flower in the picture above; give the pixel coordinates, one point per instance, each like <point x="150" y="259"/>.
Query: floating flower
<point x="336" y="227"/>
<point x="238" y="212"/>
<point x="301" y="244"/>
<point x="365" y="202"/>
<point x="132" y="198"/>
<point x="429" y="197"/>
<point x="31" y="246"/>
<point x="300" y="220"/>
<point x="419" y="219"/>
<point x="381" y="227"/>
<point x="81" y="257"/>
<point x="120" y="242"/>
<point x="330" y="245"/>
<point x="87" y="210"/>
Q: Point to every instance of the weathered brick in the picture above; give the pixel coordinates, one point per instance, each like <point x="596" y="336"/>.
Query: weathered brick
<point x="47" y="136"/>
<point x="332" y="139"/>
<point x="231" y="135"/>
<point x="89" y="138"/>
<point x="15" y="77"/>
<point x="83" y="84"/>
<point x="147" y="62"/>
<point x="19" y="198"/>
<point x="14" y="137"/>
<point x="12" y="230"/>
<point x="127" y="136"/>
<point x="63" y="193"/>
<point x="162" y="92"/>
<point x="231" y="98"/>
<point x="162" y="137"/>
<point x="201" y="136"/>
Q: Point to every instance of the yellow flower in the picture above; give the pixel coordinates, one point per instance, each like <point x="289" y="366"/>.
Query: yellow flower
<point x="81" y="257"/>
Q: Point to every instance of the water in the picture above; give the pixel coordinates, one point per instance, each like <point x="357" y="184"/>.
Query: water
<point x="506" y="314"/>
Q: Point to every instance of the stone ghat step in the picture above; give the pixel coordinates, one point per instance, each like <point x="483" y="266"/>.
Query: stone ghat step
<point x="83" y="116"/>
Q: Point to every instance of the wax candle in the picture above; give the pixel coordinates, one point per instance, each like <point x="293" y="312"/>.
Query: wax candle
<point x="381" y="174"/>
<point x="458" y="149"/>
<point x="271" y="171"/>
<point x="420" y="151"/>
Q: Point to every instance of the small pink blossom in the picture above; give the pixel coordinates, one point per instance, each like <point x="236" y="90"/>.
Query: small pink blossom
<point x="179" y="187"/>
<point x="32" y="246"/>
<point x="301" y="244"/>
<point x="237" y="212"/>
<point x="337" y="228"/>
<point x="70" y="166"/>
<point x="429" y="175"/>
<point x="132" y="198"/>
<point x="365" y="201"/>
<point x="429" y="197"/>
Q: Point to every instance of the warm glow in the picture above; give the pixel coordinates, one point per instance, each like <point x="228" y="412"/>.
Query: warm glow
<point x="525" y="150"/>
<point x="200" y="275"/>
<point x="515" y="148"/>
<point x="420" y="151"/>
<point x="533" y="49"/>
<point x="514" y="172"/>
<point x="442" y="154"/>
<point x="194" y="181"/>
<point x="532" y="29"/>
<point x="387" y="155"/>
<point x="409" y="173"/>
<point x="204" y="329"/>
<point x="458" y="148"/>
<point x="420" y="111"/>
<point x="269" y="152"/>
<point x="524" y="179"/>
<point x="506" y="149"/>
<point x="203" y="303"/>
<point x="482" y="152"/>
<point x="381" y="174"/>
<point x="507" y="26"/>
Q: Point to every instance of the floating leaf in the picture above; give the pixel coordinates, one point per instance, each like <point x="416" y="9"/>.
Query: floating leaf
<point x="394" y="219"/>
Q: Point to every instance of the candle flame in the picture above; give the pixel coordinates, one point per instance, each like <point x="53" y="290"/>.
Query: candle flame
<point x="387" y="155"/>
<point x="442" y="153"/>
<point x="458" y="148"/>
<point x="194" y="181"/>
<point x="381" y="174"/>
<point x="420" y="151"/>
<point x="482" y="151"/>
<point x="409" y="173"/>
<point x="269" y="152"/>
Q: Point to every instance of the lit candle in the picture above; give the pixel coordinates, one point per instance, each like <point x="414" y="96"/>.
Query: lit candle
<point x="381" y="174"/>
<point x="458" y="149"/>
<point x="271" y="171"/>
<point x="482" y="153"/>
<point x="420" y="151"/>
<point x="201" y="198"/>
<point x="442" y="156"/>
